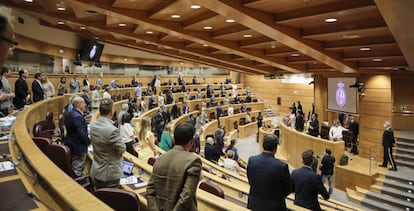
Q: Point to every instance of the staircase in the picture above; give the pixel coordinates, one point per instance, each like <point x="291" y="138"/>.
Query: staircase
<point x="405" y="153"/>
<point x="391" y="190"/>
<point x="268" y="111"/>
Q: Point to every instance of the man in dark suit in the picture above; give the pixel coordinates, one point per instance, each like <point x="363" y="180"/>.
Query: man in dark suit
<point x="77" y="134"/>
<point x="388" y="141"/>
<point x="354" y="128"/>
<point x="176" y="174"/>
<point x="37" y="90"/>
<point x="269" y="178"/>
<point x="21" y="90"/>
<point x="307" y="184"/>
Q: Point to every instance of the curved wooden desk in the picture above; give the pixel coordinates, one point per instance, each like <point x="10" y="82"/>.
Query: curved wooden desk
<point x="294" y="143"/>
<point x="68" y="193"/>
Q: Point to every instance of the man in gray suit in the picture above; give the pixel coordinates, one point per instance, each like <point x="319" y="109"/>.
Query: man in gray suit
<point x="175" y="175"/>
<point x="6" y="96"/>
<point x="108" y="148"/>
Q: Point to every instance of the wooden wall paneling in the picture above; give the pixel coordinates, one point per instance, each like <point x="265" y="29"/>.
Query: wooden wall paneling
<point x="375" y="108"/>
<point x="376" y="95"/>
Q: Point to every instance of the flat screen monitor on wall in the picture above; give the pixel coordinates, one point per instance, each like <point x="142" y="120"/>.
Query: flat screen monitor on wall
<point x="342" y="97"/>
<point x="91" y="50"/>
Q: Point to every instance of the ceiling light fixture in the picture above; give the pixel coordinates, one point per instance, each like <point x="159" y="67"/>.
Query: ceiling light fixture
<point x="61" y="8"/>
<point x="125" y="59"/>
<point x="272" y="46"/>
<point x="175" y="16"/>
<point x="208" y="27"/>
<point x="195" y="6"/>
<point x="350" y="36"/>
<point x="122" y="24"/>
<point x="61" y="51"/>
<point x="247" y="35"/>
<point x="230" y="21"/>
<point x="28" y="1"/>
<point x="295" y="54"/>
<point x="377" y="60"/>
<point x="149" y="32"/>
<point x="205" y="45"/>
<point x="146" y="43"/>
<point x="83" y="27"/>
<point x="330" y="20"/>
<point x="365" y="49"/>
<point x="61" y="22"/>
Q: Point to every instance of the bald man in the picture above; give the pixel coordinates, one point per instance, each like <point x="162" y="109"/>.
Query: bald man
<point x="77" y="134"/>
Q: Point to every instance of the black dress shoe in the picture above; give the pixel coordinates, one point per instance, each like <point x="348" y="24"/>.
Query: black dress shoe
<point x="382" y="166"/>
<point x="392" y="169"/>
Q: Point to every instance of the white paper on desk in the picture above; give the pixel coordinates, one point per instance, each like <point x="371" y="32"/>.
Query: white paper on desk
<point x="141" y="184"/>
<point x="6" y="165"/>
<point x="128" y="180"/>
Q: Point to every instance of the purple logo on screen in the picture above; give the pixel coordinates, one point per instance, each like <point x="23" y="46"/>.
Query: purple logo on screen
<point x="341" y="95"/>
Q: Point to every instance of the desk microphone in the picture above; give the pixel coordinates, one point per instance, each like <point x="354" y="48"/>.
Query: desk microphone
<point x="34" y="197"/>
<point x="17" y="165"/>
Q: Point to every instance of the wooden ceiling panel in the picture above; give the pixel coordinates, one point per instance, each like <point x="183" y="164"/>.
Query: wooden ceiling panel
<point x="277" y="6"/>
<point x="172" y="7"/>
<point x="290" y="35"/>
<point x="218" y="22"/>
<point x="136" y="4"/>
<point x="343" y="18"/>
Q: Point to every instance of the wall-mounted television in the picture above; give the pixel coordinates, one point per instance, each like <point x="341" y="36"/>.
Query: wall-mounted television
<point x="91" y="50"/>
<point x="342" y="97"/>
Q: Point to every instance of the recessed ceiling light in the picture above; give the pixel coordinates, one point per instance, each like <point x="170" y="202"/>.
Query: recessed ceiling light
<point x="61" y="22"/>
<point x="149" y="32"/>
<point x="272" y="46"/>
<point x="61" y="51"/>
<point x="125" y="59"/>
<point x="61" y="8"/>
<point x="208" y="27"/>
<point x="83" y="27"/>
<point x="365" y="49"/>
<point x="195" y="6"/>
<point x="330" y="20"/>
<point x="175" y="16"/>
<point x="295" y="54"/>
<point x="247" y="35"/>
<point x="28" y="1"/>
<point x="122" y="24"/>
<point x="377" y="60"/>
<point x="205" y="45"/>
<point x="146" y="43"/>
<point x="230" y="21"/>
<point x="350" y="36"/>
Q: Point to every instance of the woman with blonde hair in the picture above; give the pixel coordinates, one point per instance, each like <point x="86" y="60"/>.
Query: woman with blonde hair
<point x="147" y="139"/>
<point x="48" y="88"/>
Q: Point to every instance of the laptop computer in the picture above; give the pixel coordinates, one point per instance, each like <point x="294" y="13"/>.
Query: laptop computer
<point x="127" y="167"/>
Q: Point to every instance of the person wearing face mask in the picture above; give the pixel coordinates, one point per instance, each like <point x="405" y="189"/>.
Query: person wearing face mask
<point x="388" y="141"/>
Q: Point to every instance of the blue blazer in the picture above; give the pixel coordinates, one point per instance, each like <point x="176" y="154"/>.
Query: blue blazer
<point x="307" y="184"/>
<point x="76" y="133"/>
<point x="269" y="181"/>
<point x="37" y="90"/>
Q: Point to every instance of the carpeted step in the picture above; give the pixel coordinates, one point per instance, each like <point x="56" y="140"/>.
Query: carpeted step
<point x="395" y="192"/>
<point x="406" y="157"/>
<point x="385" y="201"/>
<point x="405" y="150"/>
<point x="406" y="163"/>
<point x="395" y="184"/>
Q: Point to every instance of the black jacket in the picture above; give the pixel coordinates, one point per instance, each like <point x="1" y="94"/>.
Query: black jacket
<point x="388" y="139"/>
